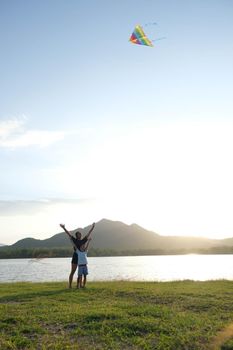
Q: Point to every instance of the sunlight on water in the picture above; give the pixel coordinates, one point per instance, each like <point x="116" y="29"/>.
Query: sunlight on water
<point x="133" y="268"/>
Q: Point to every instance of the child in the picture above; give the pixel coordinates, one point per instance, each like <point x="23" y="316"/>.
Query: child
<point x="82" y="265"/>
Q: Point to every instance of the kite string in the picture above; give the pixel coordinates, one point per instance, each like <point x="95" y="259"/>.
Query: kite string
<point x="24" y="267"/>
<point x="158" y="39"/>
<point x="153" y="24"/>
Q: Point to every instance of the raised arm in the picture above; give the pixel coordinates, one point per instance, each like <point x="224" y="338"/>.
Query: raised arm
<point x="89" y="233"/>
<point x="69" y="235"/>
<point x="66" y="231"/>
<point x="87" y="244"/>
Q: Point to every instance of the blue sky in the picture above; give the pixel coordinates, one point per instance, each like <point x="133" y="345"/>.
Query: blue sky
<point x="92" y="126"/>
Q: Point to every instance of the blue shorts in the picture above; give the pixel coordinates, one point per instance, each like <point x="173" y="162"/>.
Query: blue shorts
<point x="82" y="270"/>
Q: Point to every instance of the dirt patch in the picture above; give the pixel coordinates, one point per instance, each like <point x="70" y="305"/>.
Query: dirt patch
<point x="222" y="337"/>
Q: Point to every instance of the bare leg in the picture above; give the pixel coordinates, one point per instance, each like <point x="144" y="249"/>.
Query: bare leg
<point x="73" y="269"/>
<point x="79" y="282"/>
<point x="84" y="281"/>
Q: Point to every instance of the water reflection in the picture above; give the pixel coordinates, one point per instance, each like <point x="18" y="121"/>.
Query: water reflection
<point x="133" y="268"/>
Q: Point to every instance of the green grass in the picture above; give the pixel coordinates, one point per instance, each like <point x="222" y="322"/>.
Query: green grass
<point x="114" y="315"/>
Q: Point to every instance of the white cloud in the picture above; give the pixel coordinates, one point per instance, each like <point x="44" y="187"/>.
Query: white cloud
<point x="31" y="207"/>
<point x="33" y="138"/>
<point x="9" y="127"/>
<point x="14" y="134"/>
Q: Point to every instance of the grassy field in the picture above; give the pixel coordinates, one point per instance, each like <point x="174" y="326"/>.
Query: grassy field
<point x="116" y="315"/>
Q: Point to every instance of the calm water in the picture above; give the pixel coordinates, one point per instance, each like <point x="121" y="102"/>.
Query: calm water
<point x="133" y="268"/>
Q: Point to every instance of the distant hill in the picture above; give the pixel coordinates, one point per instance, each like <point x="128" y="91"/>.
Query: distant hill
<point x="121" y="237"/>
<point x="57" y="241"/>
<point x="2" y="245"/>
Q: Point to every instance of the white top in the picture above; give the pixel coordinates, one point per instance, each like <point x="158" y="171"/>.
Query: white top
<point x="82" y="257"/>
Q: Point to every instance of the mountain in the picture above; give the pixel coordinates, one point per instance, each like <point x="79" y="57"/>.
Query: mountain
<point x="106" y="235"/>
<point x="2" y="245"/>
<point x="118" y="236"/>
<point x="57" y="241"/>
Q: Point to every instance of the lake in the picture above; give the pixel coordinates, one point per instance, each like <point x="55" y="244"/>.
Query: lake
<point x="129" y="268"/>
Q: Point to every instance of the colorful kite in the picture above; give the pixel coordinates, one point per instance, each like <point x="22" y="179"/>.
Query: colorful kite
<point x="139" y="37"/>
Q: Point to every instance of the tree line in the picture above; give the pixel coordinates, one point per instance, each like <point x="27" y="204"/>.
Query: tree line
<point x="40" y="253"/>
